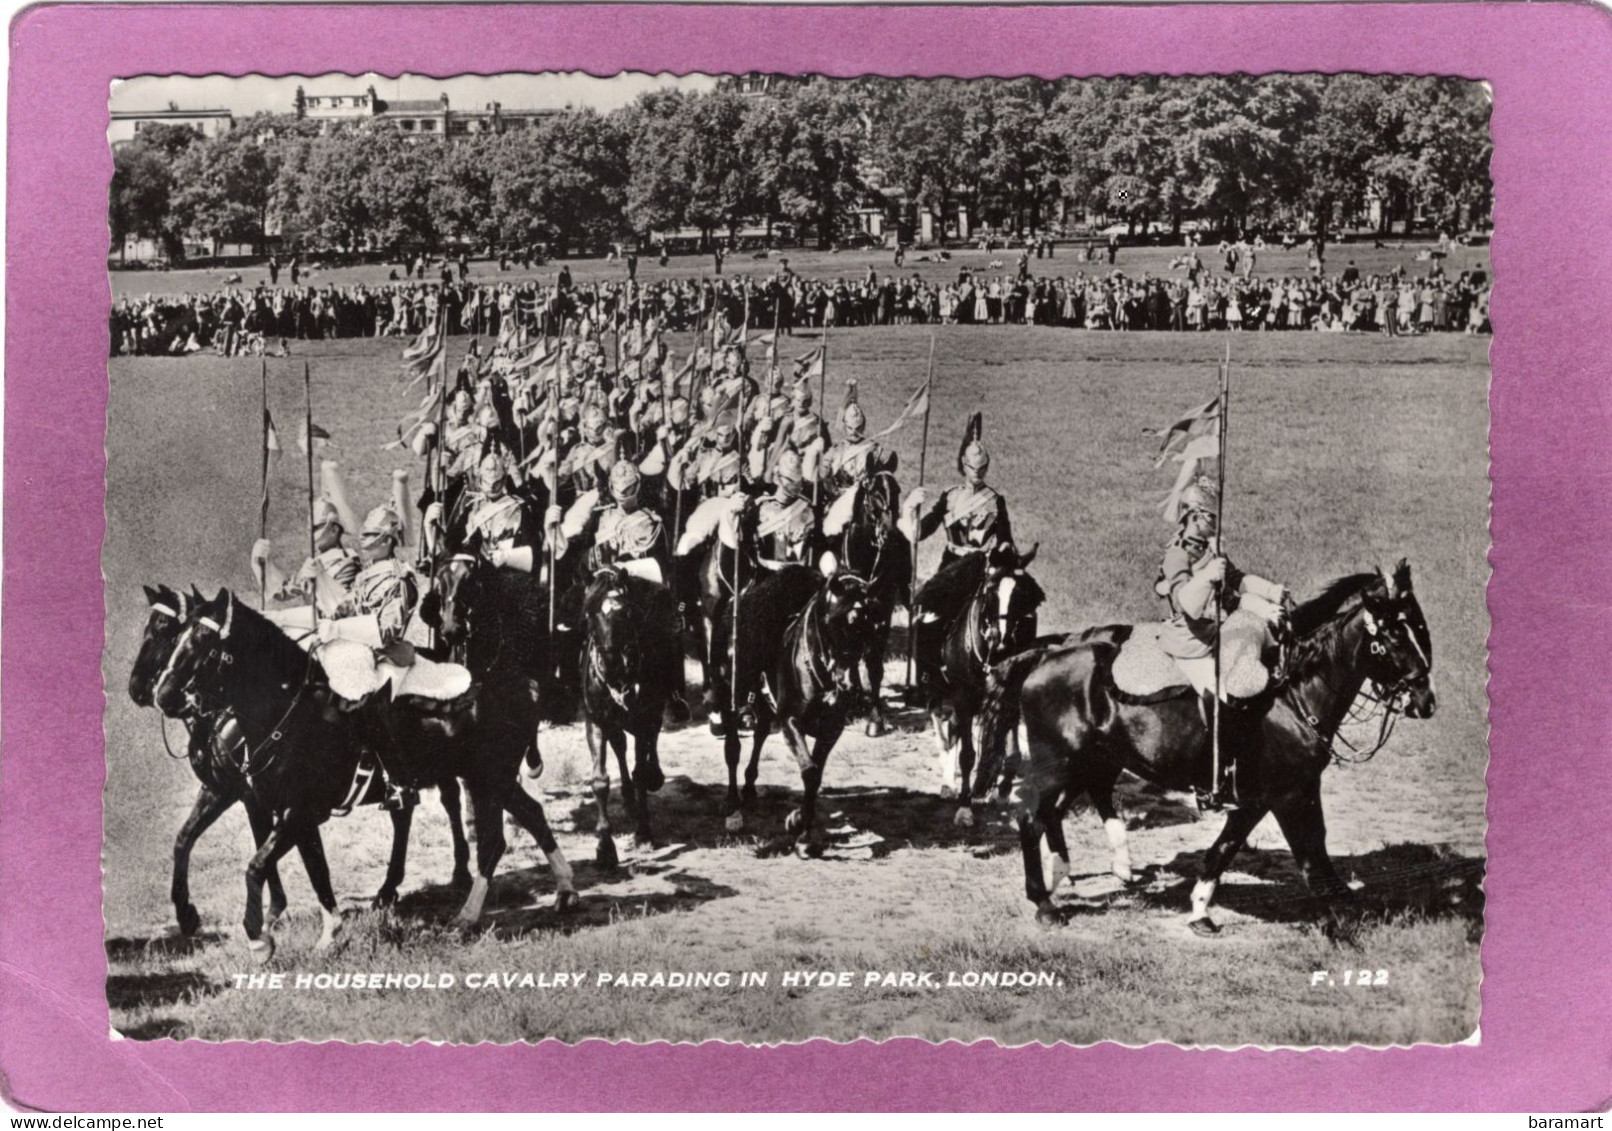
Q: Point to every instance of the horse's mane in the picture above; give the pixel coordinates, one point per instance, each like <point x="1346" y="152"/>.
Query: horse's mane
<point x="1325" y="605"/>
<point x="263" y="647"/>
<point x="770" y="605"/>
<point x="654" y="601"/>
<point x="1316" y="622"/>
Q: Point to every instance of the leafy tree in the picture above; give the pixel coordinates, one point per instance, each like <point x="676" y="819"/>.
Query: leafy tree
<point x="920" y="144"/>
<point x="819" y="160"/>
<point x="222" y="187"/>
<point x="142" y="184"/>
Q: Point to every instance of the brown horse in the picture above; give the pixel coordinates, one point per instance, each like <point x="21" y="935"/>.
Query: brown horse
<point x="1082" y="732"/>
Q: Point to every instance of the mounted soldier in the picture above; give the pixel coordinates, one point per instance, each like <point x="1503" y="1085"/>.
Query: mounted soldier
<point x="338" y="564"/>
<point x="1192" y="571"/>
<point x="497" y="522"/>
<point x="856" y="458"/>
<point x="617" y="529"/>
<point x="786" y="525"/>
<point x="974" y="518"/>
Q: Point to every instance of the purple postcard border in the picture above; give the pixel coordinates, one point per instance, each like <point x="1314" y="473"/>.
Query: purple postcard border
<point x="1547" y="1002"/>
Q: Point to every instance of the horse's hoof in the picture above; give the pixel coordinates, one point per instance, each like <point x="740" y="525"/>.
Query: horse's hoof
<point x="878" y="728"/>
<point x="566" y="901"/>
<point x="734" y="822"/>
<point x="747" y="796"/>
<point x="189" y="920"/>
<point x="947" y="792"/>
<point x="809" y="848"/>
<point x="677" y="711"/>
<point x="650" y="778"/>
<point x="1204" y="928"/>
<point x="1124" y="875"/>
<point x="644" y="841"/>
<point x="606" y="856"/>
<point x="964" y="818"/>
<point x="794" y="821"/>
<point x="261" y="949"/>
<point x="272" y="917"/>
<point x="718" y="730"/>
<point x="386" y="897"/>
<point x="1048" y="916"/>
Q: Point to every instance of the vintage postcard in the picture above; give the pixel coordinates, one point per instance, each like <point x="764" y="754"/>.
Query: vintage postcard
<point x="805" y="533"/>
<point x="502" y="464"/>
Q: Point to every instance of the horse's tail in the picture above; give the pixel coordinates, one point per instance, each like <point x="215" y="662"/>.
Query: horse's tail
<point x="1000" y="715"/>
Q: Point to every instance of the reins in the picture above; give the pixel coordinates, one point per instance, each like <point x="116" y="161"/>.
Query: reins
<point x="1383" y="705"/>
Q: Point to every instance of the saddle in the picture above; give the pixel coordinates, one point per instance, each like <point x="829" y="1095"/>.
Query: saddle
<point x="1145" y="672"/>
<point x="356" y="671"/>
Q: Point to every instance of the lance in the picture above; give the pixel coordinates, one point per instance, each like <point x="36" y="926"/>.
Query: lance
<point x="554" y="501"/>
<point x="923" y="459"/>
<point x="263" y="507"/>
<point x="307" y="420"/>
<point x="738" y="561"/>
<point x="822" y="391"/>
<point x="1220" y="551"/>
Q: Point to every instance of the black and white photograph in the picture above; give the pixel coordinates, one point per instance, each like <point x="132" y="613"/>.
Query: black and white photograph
<point x="762" y="557"/>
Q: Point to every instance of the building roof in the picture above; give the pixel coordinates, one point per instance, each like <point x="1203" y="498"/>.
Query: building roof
<point x="413" y="106"/>
<point x="127" y="115"/>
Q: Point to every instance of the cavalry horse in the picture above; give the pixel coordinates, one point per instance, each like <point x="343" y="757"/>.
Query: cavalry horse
<point x="217" y="753"/>
<point x="632" y="662"/>
<point x="711" y="598"/>
<point x="496" y="621"/>
<point x="305" y="746"/>
<point x="871" y="546"/>
<point x="800" y="640"/>
<point x="1082" y="732"/>
<point x="997" y="621"/>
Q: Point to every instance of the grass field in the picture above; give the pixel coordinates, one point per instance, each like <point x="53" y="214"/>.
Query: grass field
<point x="1345" y="452"/>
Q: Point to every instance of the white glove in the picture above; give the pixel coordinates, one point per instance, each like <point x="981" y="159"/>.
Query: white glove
<point x="260" y="550"/>
<point x="1214" y="569"/>
<point x="327" y="630"/>
<point x="499" y="557"/>
<point x="553" y="516"/>
<point x="916" y="498"/>
<point x="433" y="514"/>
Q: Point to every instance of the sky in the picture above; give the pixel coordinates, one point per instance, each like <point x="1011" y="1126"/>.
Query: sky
<point x="254" y="93"/>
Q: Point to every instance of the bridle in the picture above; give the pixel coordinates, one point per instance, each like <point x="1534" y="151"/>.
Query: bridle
<point x="271" y="746"/>
<point x="1383" y="704"/>
<point x="634" y="649"/>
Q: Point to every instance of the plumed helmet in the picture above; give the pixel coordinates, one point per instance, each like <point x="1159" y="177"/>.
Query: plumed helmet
<point x="625" y="479"/>
<point x="381" y="524"/>
<point x="778" y="407"/>
<point x="325" y="513"/>
<point x="972" y="456"/>
<point x="801" y="395"/>
<point x="853" y="419"/>
<point x="679" y="410"/>
<point x="1198" y="498"/>
<point x="593" y="423"/>
<point x="726" y="430"/>
<point x="789" y="469"/>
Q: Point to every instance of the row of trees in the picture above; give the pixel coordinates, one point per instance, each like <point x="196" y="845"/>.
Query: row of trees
<point x="1231" y="151"/>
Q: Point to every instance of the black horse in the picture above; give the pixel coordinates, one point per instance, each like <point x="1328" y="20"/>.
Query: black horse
<point x="1082" y="732"/>
<point x="997" y="621"/>
<point x="217" y="752"/>
<point x="800" y="640"/>
<point x="496" y="620"/>
<point x="872" y="548"/>
<point x="632" y="663"/>
<point x="305" y="745"/>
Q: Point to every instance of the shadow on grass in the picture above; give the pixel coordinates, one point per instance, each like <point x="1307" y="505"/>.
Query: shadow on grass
<point x="132" y="991"/>
<point x="127" y="949"/>
<point x="1397" y="882"/>
<point x="689" y="812"/>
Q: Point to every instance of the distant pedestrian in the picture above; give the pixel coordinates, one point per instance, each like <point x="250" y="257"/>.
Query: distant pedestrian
<point x="274" y="271"/>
